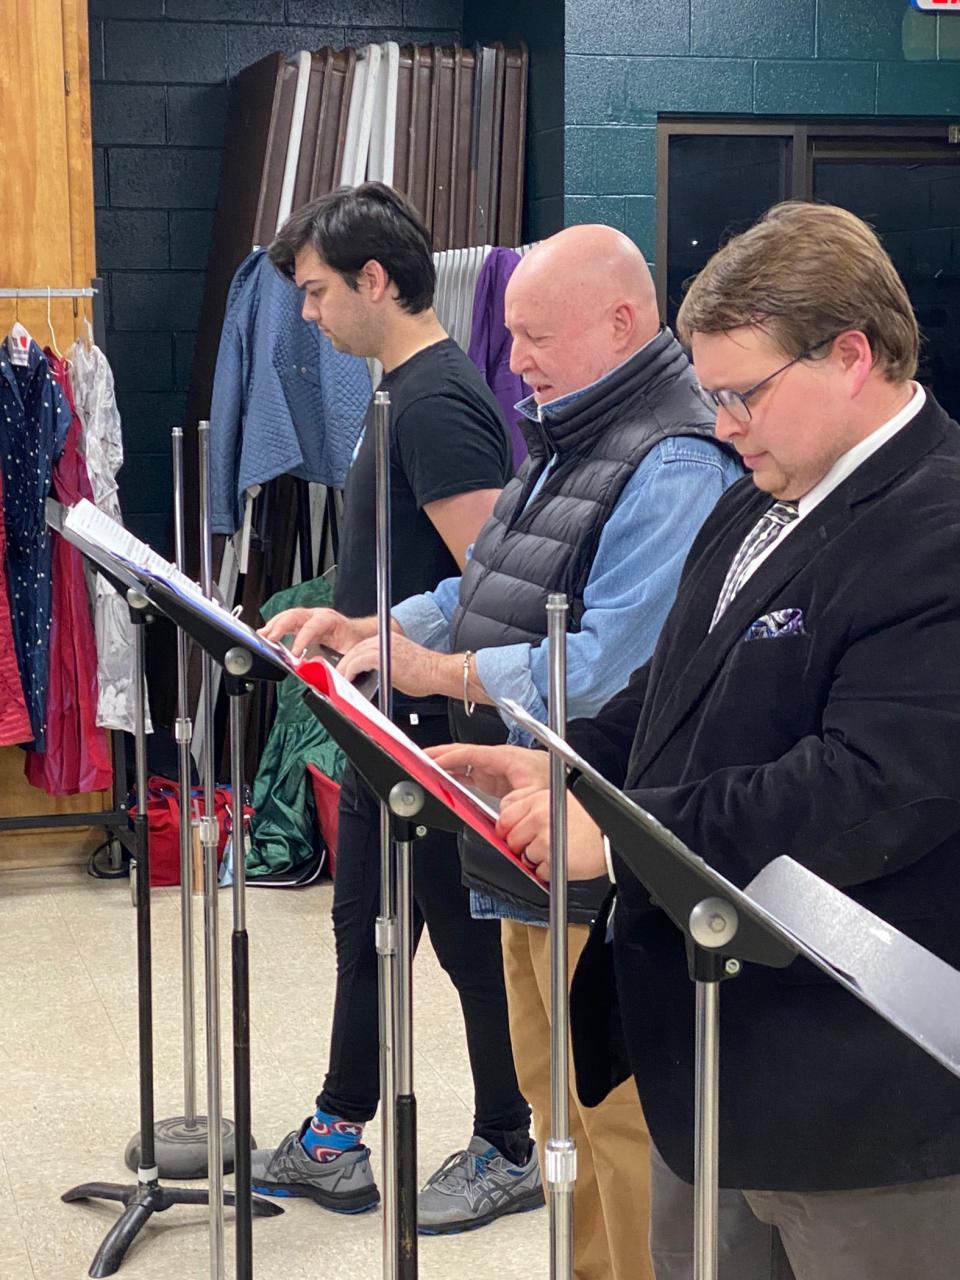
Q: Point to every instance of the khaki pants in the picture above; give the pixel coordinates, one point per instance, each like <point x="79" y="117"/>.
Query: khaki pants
<point x="611" y="1199"/>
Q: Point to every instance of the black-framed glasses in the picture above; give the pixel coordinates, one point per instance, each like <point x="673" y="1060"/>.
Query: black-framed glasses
<point x="735" y="402"/>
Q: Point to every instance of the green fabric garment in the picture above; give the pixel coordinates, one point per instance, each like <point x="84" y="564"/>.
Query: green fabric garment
<point x="284" y="825"/>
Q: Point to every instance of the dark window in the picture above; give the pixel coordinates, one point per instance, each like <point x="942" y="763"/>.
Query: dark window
<point x="718" y="187"/>
<point x="719" y="176"/>
<point x="915" y="207"/>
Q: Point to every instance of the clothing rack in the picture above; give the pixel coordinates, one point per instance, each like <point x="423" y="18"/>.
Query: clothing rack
<point x="89" y="292"/>
<point x="116" y="819"/>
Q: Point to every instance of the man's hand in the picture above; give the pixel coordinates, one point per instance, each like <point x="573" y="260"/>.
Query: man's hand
<point x="524" y="823"/>
<point x="317" y="626"/>
<point x="413" y="669"/>
<point x="494" y="770"/>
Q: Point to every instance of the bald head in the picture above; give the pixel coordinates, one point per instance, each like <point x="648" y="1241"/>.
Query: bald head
<point x="578" y="304"/>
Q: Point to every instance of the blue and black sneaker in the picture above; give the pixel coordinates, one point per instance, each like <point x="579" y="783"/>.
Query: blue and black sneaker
<point x="477" y="1186"/>
<point x="344" y="1184"/>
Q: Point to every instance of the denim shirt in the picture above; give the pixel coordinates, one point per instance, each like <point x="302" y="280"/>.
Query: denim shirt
<point x="284" y="401"/>
<point x="630" y="590"/>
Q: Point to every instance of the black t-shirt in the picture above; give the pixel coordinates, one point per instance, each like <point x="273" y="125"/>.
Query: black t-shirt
<point x="446" y="437"/>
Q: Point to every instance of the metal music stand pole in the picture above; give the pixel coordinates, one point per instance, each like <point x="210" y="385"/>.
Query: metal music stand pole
<point x="561" y="1153"/>
<point x="386" y="926"/>
<point x="181" y="1141"/>
<point x="184" y="735"/>
<point x="148" y="1196"/>
<point x="238" y="663"/>
<point x="209" y="838"/>
<point x="394" y="933"/>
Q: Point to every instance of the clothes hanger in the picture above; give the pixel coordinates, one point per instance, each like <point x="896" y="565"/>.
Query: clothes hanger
<point x="18" y="339"/>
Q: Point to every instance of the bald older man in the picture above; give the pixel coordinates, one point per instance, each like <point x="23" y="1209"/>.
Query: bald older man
<point x="623" y="470"/>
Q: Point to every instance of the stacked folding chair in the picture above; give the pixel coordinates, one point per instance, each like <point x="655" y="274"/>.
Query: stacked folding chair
<point x="445" y="126"/>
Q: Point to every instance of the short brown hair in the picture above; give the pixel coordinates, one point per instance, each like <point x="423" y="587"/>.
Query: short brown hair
<point x="805" y="273"/>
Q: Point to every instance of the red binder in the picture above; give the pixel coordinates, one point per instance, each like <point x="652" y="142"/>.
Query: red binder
<point x="467" y="807"/>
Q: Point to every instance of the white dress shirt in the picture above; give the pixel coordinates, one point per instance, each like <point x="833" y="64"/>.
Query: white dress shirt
<point x="844" y="466"/>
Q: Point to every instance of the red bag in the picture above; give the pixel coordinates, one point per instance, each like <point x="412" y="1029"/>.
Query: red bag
<point x="326" y="795"/>
<point x="163" y="824"/>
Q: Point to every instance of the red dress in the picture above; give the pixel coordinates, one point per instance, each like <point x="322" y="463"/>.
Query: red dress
<point x="77" y="758"/>
<point x="14" y="719"/>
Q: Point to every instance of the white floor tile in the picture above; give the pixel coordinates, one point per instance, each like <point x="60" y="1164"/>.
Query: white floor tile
<point x="68" y="1082"/>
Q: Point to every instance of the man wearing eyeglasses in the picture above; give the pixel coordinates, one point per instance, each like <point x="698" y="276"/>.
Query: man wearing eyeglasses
<point x="803" y="699"/>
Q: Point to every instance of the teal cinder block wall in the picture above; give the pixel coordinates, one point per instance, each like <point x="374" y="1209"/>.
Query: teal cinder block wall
<point x="627" y="61"/>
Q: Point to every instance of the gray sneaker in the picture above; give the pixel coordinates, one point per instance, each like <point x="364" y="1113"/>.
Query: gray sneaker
<point x="344" y="1185"/>
<point x="475" y="1186"/>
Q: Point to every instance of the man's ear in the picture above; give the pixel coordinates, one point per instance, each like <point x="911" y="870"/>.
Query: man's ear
<point x="853" y="353"/>
<point x="624" y="322"/>
<point x="373" y="280"/>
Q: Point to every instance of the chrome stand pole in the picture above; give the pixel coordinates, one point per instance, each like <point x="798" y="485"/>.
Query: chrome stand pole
<point x="712" y="925"/>
<point x="180" y="1142"/>
<point x="386" y="926"/>
<point x="707" y="1130"/>
<point x="209" y="834"/>
<point x="561" y="1153"/>
<point x="184" y="734"/>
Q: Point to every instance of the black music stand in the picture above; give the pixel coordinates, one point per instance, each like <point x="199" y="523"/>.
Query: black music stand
<point x="148" y="1196"/>
<point x="245" y="658"/>
<point x="785" y="912"/>
<point x="412" y="810"/>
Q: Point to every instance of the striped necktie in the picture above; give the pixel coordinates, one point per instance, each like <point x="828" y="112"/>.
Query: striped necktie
<point x="763" y="535"/>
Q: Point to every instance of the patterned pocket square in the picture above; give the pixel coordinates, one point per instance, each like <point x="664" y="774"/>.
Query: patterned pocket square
<point x="771" y="626"/>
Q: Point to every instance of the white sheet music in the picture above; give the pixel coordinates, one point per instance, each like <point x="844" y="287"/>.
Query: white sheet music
<point x="98" y="530"/>
<point x="97" y="535"/>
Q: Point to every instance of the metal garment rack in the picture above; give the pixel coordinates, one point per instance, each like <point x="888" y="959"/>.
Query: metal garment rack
<point x="44" y="292"/>
<point x="115" y="820"/>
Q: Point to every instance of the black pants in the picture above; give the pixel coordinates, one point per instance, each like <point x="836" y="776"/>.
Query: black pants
<point x="468" y="950"/>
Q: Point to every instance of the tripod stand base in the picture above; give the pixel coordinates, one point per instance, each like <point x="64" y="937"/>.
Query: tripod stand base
<point x="181" y="1148"/>
<point x="140" y="1203"/>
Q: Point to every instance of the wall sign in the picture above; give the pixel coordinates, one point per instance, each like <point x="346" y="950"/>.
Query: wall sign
<point x="937" y="6"/>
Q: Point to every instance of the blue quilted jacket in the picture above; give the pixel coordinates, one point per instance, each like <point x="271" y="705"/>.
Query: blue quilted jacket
<point x="284" y="401"/>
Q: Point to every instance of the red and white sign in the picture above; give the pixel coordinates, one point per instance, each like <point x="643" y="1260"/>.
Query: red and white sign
<point x="937" y="6"/>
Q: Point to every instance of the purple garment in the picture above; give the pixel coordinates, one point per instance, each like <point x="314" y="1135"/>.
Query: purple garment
<point x="490" y="343"/>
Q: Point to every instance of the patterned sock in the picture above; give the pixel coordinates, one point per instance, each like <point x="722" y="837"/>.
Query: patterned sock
<point x="327" y="1136"/>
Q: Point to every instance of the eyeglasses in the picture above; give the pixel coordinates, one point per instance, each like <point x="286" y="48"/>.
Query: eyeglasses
<point x="735" y="402"/>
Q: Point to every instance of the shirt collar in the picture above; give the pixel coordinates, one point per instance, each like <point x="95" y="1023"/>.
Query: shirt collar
<point x="848" y="462"/>
<point x="535" y="412"/>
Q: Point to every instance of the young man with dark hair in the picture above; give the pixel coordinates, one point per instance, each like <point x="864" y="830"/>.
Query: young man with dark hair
<point x="362" y="259"/>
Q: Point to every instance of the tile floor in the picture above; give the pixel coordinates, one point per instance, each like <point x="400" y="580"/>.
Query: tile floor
<point x="68" y="1083"/>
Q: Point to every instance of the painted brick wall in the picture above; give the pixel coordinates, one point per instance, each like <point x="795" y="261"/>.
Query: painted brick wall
<point x="626" y="61"/>
<point x="160" y="71"/>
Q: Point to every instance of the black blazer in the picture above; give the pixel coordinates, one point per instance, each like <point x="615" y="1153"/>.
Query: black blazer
<point x="838" y="743"/>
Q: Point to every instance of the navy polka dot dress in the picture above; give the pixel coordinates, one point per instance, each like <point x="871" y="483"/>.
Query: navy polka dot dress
<point x="34" y="418"/>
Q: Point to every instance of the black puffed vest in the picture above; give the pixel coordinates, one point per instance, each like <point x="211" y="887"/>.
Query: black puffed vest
<point x="525" y="552"/>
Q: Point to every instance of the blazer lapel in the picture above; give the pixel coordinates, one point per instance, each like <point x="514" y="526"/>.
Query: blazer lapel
<point x="688" y="681"/>
<point x="773" y="575"/>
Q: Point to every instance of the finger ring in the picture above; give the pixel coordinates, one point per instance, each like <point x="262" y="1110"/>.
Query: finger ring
<point x="468" y="770"/>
